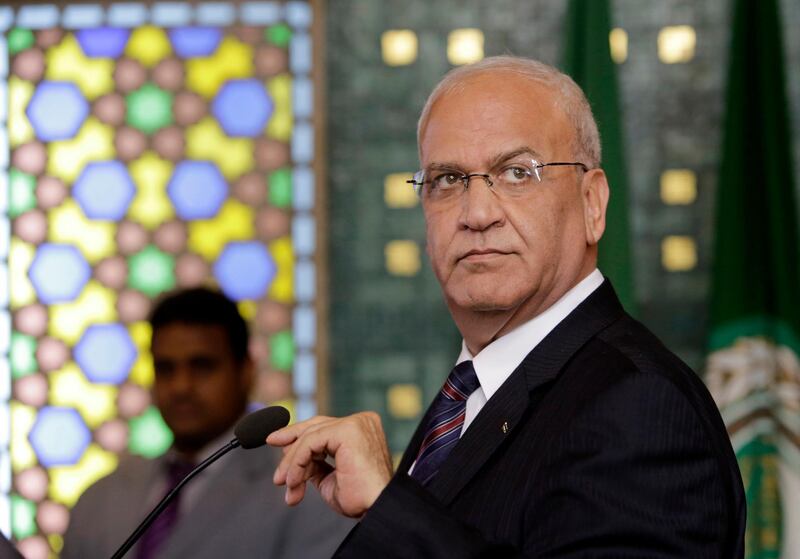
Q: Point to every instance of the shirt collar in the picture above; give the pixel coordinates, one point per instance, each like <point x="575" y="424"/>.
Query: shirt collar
<point x="495" y="363"/>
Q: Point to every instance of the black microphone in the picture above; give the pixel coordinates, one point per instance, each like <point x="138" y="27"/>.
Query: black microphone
<point x="251" y="432"/>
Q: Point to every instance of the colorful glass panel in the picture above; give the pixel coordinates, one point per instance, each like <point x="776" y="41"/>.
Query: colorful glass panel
<point x="143" y="147"/>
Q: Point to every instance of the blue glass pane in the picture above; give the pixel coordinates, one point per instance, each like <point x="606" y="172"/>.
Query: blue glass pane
<point x="303" y="232"/>
<point x="304" y="374"/>
<point x="58" y="273"/>
<point x="302" y="98"/>
<point x="3" y="67"/>
<point x="299" y="14"/>
<point x="244" y="270"/>
<point x="6" y="17"/>
<point x="215" y="13"/>
<point x="104" y="190"/>
<point x="171" y="14"/>
<point x="190" y="42"/>
<point x="127" y="15"/>
<point x="5" y="334"/>
<point x="243" y="108"/>
<point x="303" y="189"/>
<point x="4" y="299"/>
<point x="59" y="436"/>
<point x="304" y="324"/>
<point x="82" y="16"/>
<point x="303" y="143"/>
<point x="305" y="408"/>
<point x="57" y="110"/>
<point x="108" y="42"/>
<point x="304" y="281"/>
<point x="197" y="189"/>
<point x="4" y="150"/>
<point x="105" y="353"/>
<point x="260" y="13"/>
<point x="37" y="17"/>
<point x="300" y="54"/>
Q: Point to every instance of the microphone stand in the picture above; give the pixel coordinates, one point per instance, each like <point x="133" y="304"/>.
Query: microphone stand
<point x="169" y="496"/>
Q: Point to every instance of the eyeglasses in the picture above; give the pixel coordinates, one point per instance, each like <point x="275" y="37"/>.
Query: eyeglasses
<point x="511" y="178"/>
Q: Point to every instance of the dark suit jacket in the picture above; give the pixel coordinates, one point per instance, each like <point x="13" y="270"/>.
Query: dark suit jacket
<point x="240" y="513"/>
<point x="613" y="447"/>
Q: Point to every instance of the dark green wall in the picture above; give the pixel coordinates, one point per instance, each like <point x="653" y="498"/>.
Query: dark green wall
<point x="386" y="329"/>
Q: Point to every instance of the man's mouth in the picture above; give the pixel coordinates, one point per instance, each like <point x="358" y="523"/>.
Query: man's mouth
<point x="477" y="255"/>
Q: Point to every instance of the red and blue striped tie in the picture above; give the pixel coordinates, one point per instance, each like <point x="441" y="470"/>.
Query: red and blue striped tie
<point x="445" y="420"/>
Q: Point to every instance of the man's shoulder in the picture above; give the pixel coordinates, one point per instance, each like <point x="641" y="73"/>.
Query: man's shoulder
<point x="132" y="474"/>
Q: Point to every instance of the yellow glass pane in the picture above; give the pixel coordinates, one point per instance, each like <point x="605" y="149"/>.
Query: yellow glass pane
<point x="678" y="253"/>
<point x="94" y="142"/>
<point x="148" y="45"/>
<point x="66" y="62"/>
<point x="96" y="402"/>
<point x="67" y="483"/>
<point x="95" y="239"/>
<point x="397" y="193"/>
<point x="206" y="140"/>
<point x="678" y="186"/>
<point x="405" y="401"/>
<point x="19" y="127"/>
<point x="22" y="420"/>
<point x="399" y="47"/>
<point x="142" y="371"/>
<point x="151" y="206"/>
<point x="281" y="122"/>
<point x="282" y="287"/>
<point x="95" y="304"/>
<point x="402" y="258"/>
<point x="234" y="222"/>
<point x="232" y="59"/>
<point x="21" y="290"/>
<point x="248" y="310"/>
<point x="676" y="44"/>
<point x="464" y="46"/>
<point x="618" y="42"/>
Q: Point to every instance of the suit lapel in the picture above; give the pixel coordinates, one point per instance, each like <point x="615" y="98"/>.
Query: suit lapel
<point x="502" y="413"/>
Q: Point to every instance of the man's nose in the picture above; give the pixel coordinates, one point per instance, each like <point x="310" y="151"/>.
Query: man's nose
<point x="481" y="208"/>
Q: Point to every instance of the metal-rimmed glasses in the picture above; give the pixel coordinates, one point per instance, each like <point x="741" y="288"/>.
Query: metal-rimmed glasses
<point x="512" y="178"/>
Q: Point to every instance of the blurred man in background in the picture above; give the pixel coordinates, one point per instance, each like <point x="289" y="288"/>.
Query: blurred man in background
<point x="203" y="377"/>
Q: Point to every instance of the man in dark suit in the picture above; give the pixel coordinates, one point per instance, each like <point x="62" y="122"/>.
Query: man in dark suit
<point x="566" y="429"/>
<point x="203" y="378"/>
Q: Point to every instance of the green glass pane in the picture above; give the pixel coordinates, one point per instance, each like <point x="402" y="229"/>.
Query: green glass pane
<point x="149" y="108"/>
<point x="281" y="350"/>
<point x="19" y="39"/>
<point x="279" y="35"/>
<point x="151" y="271"/>
<point x="22" y="192"/>
<point x="280" y="188"/>
<point x="23" y="355"/>
<point x="149" y="435"/>
<point x="23" y="517"/>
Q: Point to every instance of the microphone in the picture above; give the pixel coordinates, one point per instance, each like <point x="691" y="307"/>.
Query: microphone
<point x="251" y="432"/>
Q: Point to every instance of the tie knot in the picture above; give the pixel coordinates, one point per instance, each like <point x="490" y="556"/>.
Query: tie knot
<point x="461" y="382"/>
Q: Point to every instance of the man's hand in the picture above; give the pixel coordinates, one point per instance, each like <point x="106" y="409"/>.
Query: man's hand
<point x="357" y="445"/>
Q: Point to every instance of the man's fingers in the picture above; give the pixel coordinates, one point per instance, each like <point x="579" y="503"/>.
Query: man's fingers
<point x="288" y="435"/>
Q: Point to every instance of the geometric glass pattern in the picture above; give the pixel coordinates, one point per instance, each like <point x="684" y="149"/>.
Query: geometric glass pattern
<point x="143" y="147"/>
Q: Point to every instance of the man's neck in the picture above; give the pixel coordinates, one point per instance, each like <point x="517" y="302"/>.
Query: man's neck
<point x="480" y="328"/>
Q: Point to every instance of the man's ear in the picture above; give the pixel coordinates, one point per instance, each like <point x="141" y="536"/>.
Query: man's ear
<point x="594" y="195"/>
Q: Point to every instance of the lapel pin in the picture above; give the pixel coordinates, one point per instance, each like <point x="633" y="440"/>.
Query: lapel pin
<point x="504" y="427"/>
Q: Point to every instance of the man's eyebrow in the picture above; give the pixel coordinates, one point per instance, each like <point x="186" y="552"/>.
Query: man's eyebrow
<point x="445" y="166"/>
<point x="506" y="155"/>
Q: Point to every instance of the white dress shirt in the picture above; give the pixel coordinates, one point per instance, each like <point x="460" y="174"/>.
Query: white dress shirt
<point x="495" y="363"/>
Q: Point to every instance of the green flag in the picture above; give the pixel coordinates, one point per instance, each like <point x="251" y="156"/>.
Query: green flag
<point x="753" y="369"/>
<point x="587" y="58"/>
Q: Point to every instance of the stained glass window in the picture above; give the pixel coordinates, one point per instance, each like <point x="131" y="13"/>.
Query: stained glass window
<point x="143" y="147"/>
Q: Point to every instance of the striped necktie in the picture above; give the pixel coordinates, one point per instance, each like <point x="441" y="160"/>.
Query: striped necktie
<point x="160" y="530"/>
<point x="445" y="419"/>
